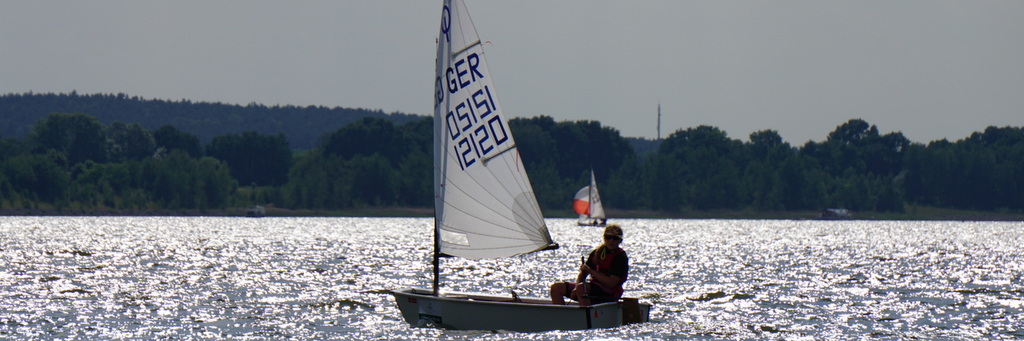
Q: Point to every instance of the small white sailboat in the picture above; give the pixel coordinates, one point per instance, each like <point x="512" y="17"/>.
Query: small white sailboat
<point x="484" y="205"/>
<point x="587" y="203"/>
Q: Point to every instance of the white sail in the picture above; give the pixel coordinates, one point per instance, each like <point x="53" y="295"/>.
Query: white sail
<point x="596" y="208"/>
<point x="485" y="206"/>
<point x="587" y="202"/>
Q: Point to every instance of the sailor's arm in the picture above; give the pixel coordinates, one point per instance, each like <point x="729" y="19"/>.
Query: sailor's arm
<point x="608" y="281"/>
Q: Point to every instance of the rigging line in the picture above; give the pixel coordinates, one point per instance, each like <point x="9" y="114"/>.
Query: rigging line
<point x="451" y="228"/>
<point x="512" y="165"/>
<point x="531" y="235"/>
<point x="453" y="185"/>
<point x="536" y="235"/>
<point x="507" y="189"/>
<point x="449" y="186"/>
<point x="527" y="215"/>
<point x="528" y="233"/>
<point x="523" y="180"/>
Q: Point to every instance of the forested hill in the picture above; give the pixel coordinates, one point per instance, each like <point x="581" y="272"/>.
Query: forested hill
<point x="302" y="125"/>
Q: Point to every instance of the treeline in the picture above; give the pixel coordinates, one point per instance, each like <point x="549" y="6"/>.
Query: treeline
<point x="74" y="161"/>
<point x="19" y="112"/>
<point x="701" y="168"/>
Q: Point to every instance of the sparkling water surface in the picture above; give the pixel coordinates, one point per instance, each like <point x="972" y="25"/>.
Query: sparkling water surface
<point x="142" y="278"/>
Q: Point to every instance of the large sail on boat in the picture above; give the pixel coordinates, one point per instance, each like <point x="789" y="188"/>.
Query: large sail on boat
<point x="587" y="203"/>
<point x="484" y="204"/>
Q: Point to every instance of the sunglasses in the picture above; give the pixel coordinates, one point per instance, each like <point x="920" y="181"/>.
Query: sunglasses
<point x="613" y="237"/>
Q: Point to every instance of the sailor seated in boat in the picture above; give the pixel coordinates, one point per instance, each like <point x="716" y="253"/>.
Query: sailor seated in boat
<point x="607" y="266"/>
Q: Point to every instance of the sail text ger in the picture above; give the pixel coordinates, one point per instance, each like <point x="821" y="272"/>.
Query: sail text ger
<point x="474" y="123"/>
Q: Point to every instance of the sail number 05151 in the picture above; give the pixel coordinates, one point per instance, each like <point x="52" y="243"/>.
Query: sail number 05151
<point x="475" y="128"/>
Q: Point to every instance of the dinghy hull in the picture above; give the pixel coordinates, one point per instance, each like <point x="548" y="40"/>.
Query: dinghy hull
<point x="486" y="312"/>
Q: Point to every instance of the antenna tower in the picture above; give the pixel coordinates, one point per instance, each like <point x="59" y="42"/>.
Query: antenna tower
<point x="659" y="121"/>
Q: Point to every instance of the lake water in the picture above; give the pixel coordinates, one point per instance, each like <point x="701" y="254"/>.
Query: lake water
<point x="326" y="278"/>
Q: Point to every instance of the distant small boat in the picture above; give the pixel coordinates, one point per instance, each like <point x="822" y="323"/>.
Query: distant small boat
<point x="835" y="214"/>
<point x="587" y="204"/>
<point x="256" y="212"/>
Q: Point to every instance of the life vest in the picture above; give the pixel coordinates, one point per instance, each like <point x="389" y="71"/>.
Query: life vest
<point x="604" y="266"/>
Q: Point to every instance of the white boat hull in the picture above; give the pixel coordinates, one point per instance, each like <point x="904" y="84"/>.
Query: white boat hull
<point x="486" y="312"/>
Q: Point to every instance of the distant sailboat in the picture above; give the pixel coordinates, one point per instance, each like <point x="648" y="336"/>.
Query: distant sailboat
<point x="587" y="204"/>
<point x="484" y="205"/>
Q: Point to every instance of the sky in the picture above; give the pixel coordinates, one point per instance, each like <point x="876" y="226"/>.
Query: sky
<point x="930" y="69"/>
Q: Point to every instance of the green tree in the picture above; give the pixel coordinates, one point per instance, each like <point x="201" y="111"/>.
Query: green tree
<point x="214" y="183"/>
<point x="374" y="181"/>
<point x="178" y="181"/>
<point x="929" y="176"/>
<point x="585" y="145"/>
<point x="170" y="138"/>
<point x="665" y="182"/>
<point x="804" y="184"/>
<point x="367" y="137"/>
<point x="851" y="191"/>
<point x="128" y="142"/>
<point x="710" y="166"/>
<point x="78" y="137"/>
<point x="37" y="177"/>
<point x="534" y="142"/>
<point x="415" y="181"/>
<point x="550" y="189"/>
<point x="415" y="177"/>
<point x="10" y="148"/>
<point x="1006" y="145"/>
<point x="884" y="155"/>
<point x="570" y="150"/>
<point x="763" y="186"/>
<point x="624" y="189"/>
<point x="110" y="185"/>
<point x="889" y="198"/>
<point x="318" y="181"/>
<point x="254" y="158"/>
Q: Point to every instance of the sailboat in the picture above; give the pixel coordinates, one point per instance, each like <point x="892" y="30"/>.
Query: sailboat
<point x="587" y="203"/>
<point x="484" y="203"/>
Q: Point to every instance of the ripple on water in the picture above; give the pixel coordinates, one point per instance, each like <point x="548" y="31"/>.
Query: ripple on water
<point x="324" y="278"/>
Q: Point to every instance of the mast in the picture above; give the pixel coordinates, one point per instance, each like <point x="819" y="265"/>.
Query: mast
<point x="437" y="259"/>
<point x="441" y="105"/>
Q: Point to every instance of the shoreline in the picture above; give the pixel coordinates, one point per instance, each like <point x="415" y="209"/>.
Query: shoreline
<point x="912" y="213"/>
